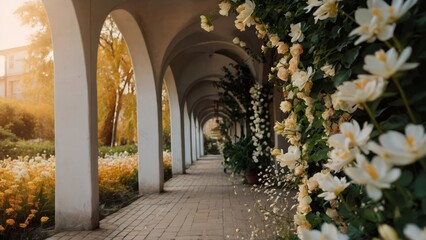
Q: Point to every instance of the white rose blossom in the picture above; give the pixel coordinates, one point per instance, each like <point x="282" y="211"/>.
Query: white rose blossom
<point x="328" y="232"/>
<point x="376" y="175"/>
<point x="332" y="186"/>
<point x="366" y="88"/>
<point x="328" y="9"/>
<point x="386" y="64"/>
<point x="413" y="232"/>
<point x="399" y="149"/>
<point x="300" y="78"/>
<point x="244" y="17"/>
<point x="328" y="70"/>
<point x="296" y="33"/>
<point x="224" y="6"/>
<point x="290" y="158"/>
<point x="312" y="4"/>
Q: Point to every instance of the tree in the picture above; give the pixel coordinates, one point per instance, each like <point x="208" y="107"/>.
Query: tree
<point x="115" y="80"/>
<point x="166" y="118"/>
<point x="38" y="82"/>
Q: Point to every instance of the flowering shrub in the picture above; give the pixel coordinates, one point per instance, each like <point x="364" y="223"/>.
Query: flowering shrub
<point x="26" y="193"/>
<point x="27" y="189"/>
<point x="260" y="124"/>
<point x="350" y="74"/>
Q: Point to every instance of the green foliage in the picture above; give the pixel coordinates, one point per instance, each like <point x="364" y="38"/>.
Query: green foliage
<point x="210" y="145"/>
<point x="16" y="120"/>
<point x="235" y="91"/>
<point x="238" y="156"/>
<point x="15" y="149"/>
<point x="105" y="150"/>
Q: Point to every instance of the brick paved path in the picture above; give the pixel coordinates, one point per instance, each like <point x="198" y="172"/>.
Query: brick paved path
<point x="198" y="205"/>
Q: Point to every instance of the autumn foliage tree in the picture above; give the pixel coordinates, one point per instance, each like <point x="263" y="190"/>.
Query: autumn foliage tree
<point x="115" y="84"/>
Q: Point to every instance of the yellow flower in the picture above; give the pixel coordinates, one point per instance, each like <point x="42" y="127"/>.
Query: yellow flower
<point x="44" y="219"/>
<point x="10" y="221"/>
<point x="23" y="225"/>
<point x="9" y="211"/>
<point x="1" y="228"/>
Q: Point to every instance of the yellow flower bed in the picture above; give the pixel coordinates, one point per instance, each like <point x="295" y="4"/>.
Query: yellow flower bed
<point x="26" y="192"/>
<point x="27" y="188"/>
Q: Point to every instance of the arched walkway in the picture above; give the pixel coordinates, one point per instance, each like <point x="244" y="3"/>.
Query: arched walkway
<point x="201" y="204"/>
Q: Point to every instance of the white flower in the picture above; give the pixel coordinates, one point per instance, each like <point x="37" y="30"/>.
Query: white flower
<point x="328" y="70"/>
<point x="413" y="232"/>
<point x="236" y="40"/>
<point x="387" y="232"/>
<point x="328" y="9"/>
<point x="400" y="149"/>
<point x="386" y="64"/>
<point x="371" y="26"/>
<point x="352" y="135"/>
<point x="366" y="88"/>
<point x="328" y="232"/>
<point x="224" y="8"/>
<point x="390" y="13"/>
<point x="375" y="175"/>
<point x="340" y="158"/>
<point x="312" y="4"/>
<point x="296" y="33"/>
<point x="285" y="106"/>
<point x="398" y="9"/>
<point x="332" y="186"/>
<point x="300" y="78"/>
<point x="244" y="17"/>
<point x="206" y="24"/>
<point x="290" y="158"/>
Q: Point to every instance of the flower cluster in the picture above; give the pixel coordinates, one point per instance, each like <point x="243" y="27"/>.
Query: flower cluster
<point x="27" y="188"/>
<point x="259" y="124"/>
<point x="26" y="193"/>
<point x="341" y="63"/>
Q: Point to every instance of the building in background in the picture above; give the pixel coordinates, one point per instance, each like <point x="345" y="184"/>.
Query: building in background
<point x="12" y="70"/>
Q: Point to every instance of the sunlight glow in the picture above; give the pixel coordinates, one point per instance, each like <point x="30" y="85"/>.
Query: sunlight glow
<point x="12" y="34"/>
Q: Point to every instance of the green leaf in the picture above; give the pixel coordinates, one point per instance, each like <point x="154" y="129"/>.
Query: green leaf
<point x="350" y="56"/>
<point x="417" y="97"/>
<point x="419" y="186"/>
<point x="424" y="205"/>
<point x="354" y="231"/>
<point x="342" y="76"/>
<point x="369" y="215"/>
<point x="406" y="178"/>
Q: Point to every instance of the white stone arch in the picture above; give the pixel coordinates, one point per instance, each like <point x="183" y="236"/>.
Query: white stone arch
<point x="75" y="48"/>
<point x="177" y="124"/>
<point x="148" y="100"/>
<point x="187" y="135"/>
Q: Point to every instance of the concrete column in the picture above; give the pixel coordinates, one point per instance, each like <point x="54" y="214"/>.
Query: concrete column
<point x="193" y="140"/>
<point x="201" y="141"/>
<point x="200" y="153"/>
<point x="76" y="146"/>
<point x="176" y="120"/>
<point x="187" y="130"/>
<point x="148" y="102"/>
